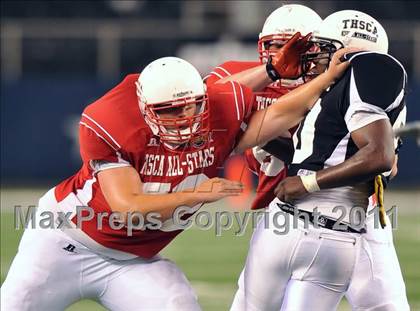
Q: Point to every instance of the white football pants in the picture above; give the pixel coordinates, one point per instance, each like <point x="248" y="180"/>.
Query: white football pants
<point x="52" y="271"/>
<point x="377" y="283"/>
<point x="311" y="269"/>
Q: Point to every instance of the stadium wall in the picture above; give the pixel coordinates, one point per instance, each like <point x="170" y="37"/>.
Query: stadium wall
<point x="39" y="137"/>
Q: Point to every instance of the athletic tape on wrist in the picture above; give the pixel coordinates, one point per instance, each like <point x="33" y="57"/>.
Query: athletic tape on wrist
<point x="310" y="183"/>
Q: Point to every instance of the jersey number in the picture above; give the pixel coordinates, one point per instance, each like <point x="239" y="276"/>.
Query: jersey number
<point x="190" y="182"/>
<point x="303" y="138"/>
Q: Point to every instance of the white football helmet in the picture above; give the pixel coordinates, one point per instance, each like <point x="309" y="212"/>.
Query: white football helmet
<point x="354" y="29"/>
<point x="169" y="83"/>
<point x="283" y="23"/>
<point x="347" y="28"/>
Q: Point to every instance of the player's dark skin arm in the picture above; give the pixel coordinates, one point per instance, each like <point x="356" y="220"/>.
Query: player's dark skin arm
<point x="122" y="189"/>
<point x="375" y="155"/>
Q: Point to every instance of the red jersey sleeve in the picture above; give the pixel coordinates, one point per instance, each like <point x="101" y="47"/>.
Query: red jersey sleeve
<point x="108" y="124"/>
<point x="244" y="101"/>
<point x="233" y="101"/>
<point x="230" y="107"/>
<point x="227" y="69"/>
<point x="94" y="147"/>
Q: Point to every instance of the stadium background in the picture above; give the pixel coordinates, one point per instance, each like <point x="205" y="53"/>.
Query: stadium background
<point x="58" y="56"/>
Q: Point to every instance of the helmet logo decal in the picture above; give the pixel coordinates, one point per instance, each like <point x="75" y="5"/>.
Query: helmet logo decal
<point x="364" y="36"/>
<point x="351" y="28"/>
<point x="198" y="141"/>
<point x="182" y="94"/>
<point x="356" y="24"/>
<point x="359" y="24"/>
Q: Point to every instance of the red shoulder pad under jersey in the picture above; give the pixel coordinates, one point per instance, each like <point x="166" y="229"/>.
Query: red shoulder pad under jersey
<point x="227" y="69"/>
<point x="108" y="125"/>
<point x="230" y="106"/>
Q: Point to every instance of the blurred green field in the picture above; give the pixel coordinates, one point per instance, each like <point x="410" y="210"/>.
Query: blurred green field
<point x="212" y="264"/>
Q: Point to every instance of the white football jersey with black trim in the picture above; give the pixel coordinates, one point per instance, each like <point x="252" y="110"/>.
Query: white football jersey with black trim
<point x="373" y="88"/>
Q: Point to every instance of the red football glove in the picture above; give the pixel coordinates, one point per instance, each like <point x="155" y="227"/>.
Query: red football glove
<point x="286" y="64"/>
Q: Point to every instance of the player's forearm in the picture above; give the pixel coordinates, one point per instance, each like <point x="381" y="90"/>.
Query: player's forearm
<point x="363" y="166"/>
<point x="306" y="95"/>
<point x="291" y="108"/>
<point x="162" y="204"/>
<point x="287" y="111"/>
<point x="255" y="78"/>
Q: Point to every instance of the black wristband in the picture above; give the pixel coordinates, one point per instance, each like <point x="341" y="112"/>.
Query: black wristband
<point x="271" y="71"/>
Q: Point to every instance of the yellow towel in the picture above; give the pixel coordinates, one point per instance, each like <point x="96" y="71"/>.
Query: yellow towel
<point x="379" y="193"/>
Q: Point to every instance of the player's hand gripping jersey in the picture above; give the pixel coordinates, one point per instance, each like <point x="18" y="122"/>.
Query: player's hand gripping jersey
<point x="269" y="169"/>
<point x="113" y="133"/>
<point x="373" y="88"/>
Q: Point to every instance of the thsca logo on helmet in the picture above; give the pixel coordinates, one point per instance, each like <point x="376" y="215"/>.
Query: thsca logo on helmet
<point x="173" y="101"/>
<point x="282" y="24"/>
<point x="347" y="28"/>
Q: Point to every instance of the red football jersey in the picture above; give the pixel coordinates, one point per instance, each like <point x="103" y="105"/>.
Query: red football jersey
<point x="113" y="130"/>
<point x="268" y="168"/>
